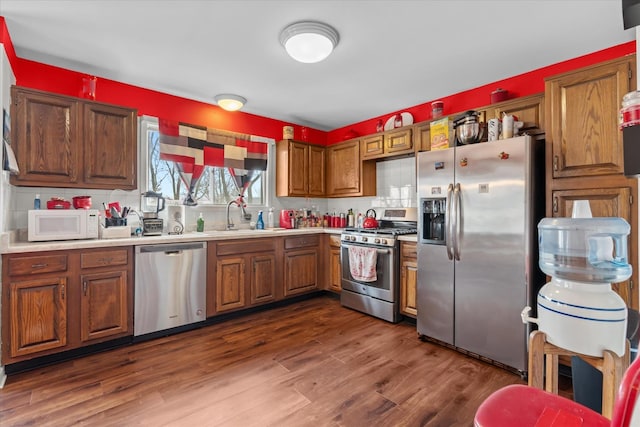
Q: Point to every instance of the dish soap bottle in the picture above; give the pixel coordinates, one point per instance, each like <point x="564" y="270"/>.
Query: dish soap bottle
<point x="260" y="221"/>
<point x="200" y="224"/>
<point x="36" y="202"/>
<point x="270" y="218"/>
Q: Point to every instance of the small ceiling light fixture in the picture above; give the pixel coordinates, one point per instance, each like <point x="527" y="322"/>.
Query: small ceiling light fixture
<point x="309" y="41"/>
<point x="230" y="102"/>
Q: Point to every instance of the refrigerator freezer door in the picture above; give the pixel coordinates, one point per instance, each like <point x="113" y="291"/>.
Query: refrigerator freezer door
<point x="491" y="279"/>
<point x="435" y="303"/>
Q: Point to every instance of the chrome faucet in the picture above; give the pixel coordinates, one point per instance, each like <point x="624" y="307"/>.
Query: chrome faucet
<point x="230" y="225"/>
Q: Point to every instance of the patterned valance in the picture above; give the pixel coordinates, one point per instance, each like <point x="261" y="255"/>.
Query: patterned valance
<point x="197" y="145"/>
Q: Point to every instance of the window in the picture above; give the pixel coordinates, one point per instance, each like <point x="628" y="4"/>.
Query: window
<point x="216" y="186"/>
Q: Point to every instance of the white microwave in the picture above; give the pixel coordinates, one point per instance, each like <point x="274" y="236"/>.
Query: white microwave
<point x="62" y="224"/>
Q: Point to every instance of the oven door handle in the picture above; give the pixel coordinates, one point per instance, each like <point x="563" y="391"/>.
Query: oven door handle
<point x="379" y="250"/>
<point x="448" y="224"/>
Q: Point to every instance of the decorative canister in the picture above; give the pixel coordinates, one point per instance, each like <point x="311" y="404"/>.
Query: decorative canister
<point x="499" y="95"/>
<point x="287" y="132"/>
<point x="437" y="108"/>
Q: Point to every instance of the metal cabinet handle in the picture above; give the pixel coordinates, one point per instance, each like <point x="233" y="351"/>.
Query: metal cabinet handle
<point x="555" y="163"/>
<point x="39" y="265"/>
<point x="84" y="288"/>
<point x="62" y="291"/>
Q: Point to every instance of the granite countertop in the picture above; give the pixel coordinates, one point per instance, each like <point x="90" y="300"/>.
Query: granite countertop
<point x="9" y="245"/>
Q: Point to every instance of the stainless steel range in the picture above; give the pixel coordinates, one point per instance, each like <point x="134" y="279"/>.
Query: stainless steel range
<point x="370" y="260"/>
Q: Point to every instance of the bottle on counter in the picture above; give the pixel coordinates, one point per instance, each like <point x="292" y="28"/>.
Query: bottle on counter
<point x="270" y="218"/>
<point x="260" y="221"/>
<point x="200" y="224"/>
<point x="360" y="220"/>
<point x="36" y="202"/>
<point x="350" y="218"/>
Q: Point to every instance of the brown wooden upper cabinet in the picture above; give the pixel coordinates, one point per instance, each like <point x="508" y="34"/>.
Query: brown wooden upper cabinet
<point x="300" y="169"/>
<point x="582" y="108"/>
<point x="391" y="143"/>
<point x="347" y="174"/>
<point x="61" y="141"/>
<point x="528" y="109"/>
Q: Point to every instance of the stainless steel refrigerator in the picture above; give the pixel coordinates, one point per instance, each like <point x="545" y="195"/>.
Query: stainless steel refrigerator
<point x="479" y="206"/>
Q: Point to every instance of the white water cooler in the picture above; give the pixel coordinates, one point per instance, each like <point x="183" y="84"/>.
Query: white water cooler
<point x="577" y="309"/>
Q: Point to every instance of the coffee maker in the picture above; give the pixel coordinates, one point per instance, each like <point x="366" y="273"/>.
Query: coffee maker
<point x="150" y="204"/>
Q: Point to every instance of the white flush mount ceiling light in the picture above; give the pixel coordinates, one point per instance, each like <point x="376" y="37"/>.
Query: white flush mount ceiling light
<point x="230" y="102"/>
<point x="309" y="41"/>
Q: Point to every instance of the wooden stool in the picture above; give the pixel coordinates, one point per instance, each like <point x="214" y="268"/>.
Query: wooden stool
<point x="611" y="366"/>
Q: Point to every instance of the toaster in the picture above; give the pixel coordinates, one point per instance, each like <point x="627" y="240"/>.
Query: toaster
<point x="288" y="218"/>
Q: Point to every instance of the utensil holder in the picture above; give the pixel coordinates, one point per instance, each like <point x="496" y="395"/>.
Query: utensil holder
<point x="115" y="222"/>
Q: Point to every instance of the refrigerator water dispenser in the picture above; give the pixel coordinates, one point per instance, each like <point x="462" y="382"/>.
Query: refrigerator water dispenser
<point x="433" y="213"/>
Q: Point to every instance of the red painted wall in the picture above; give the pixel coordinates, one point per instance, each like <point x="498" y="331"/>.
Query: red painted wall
<point x="148" y="102"/>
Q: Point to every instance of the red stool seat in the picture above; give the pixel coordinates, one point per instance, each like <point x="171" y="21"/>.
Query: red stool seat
<point x="523" y="406"/>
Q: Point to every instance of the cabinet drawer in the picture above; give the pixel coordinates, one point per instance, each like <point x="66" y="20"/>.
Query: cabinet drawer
<point x="334" y="240"/>
<point x="300" y="242"/>
<point x="245" y="246"/>
<point x="104" y="258"/>
<point x="408" y="250"/>
<point x="37" y="264"/>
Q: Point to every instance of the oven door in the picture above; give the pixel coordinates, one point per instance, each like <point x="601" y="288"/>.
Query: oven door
<point x="385" y="287"/>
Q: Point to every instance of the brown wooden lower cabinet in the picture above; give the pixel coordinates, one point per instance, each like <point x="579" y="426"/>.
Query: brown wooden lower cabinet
<point x="607" y="202"/>
<point x="61" y="300"/>
<point x="263" y="279"/>
<point x="38" y="315"/>
<point x="104" y="305"/>
<point x="301" y="262"/>
<point x="241" y="273"/>
<point x="408" y="278"/>
<point x="335" y="266"/>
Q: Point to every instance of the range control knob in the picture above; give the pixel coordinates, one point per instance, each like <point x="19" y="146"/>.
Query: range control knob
<point x="383" y="241"/>
<point x="353" y="238"/>
<point x="364" y="239"/>
<point x="376" y="240"/>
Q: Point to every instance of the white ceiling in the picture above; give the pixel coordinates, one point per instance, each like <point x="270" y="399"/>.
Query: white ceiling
<point x="392" y="54"/>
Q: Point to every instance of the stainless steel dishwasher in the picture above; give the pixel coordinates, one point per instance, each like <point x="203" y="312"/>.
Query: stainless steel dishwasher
<point x="170" y="286"/>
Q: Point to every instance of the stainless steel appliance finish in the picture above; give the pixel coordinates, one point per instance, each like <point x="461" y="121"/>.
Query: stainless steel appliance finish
<point x="475" y="277"/>
<point x="379" y="298"/>
<point x="170" y="286"/>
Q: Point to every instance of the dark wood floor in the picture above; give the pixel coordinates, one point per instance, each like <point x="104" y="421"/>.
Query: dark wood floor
<point x="311" y="363"/>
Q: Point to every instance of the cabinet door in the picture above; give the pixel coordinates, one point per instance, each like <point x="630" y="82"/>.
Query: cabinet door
<point x="263" y="278"/>
<point x="110" y="153"/>
<point x="604" y="202"/>
<point x="372" y="146"/>
<point x="347" y="175"/>
<point x="408" y="278"/>
<point x="422" y="136"/>
<point x="300" y="271"/>
<point x="230" y="283"/>
<point x="45" y="137"/>
<point x="582" y="111"/>
<point x="103" y="305"/>
<point x="298" y="169"/>
<point x="335" y="270"/>
<point x="38" y="315"/>
<point x="398" y="141"/>
<point x="317" y="166"/>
